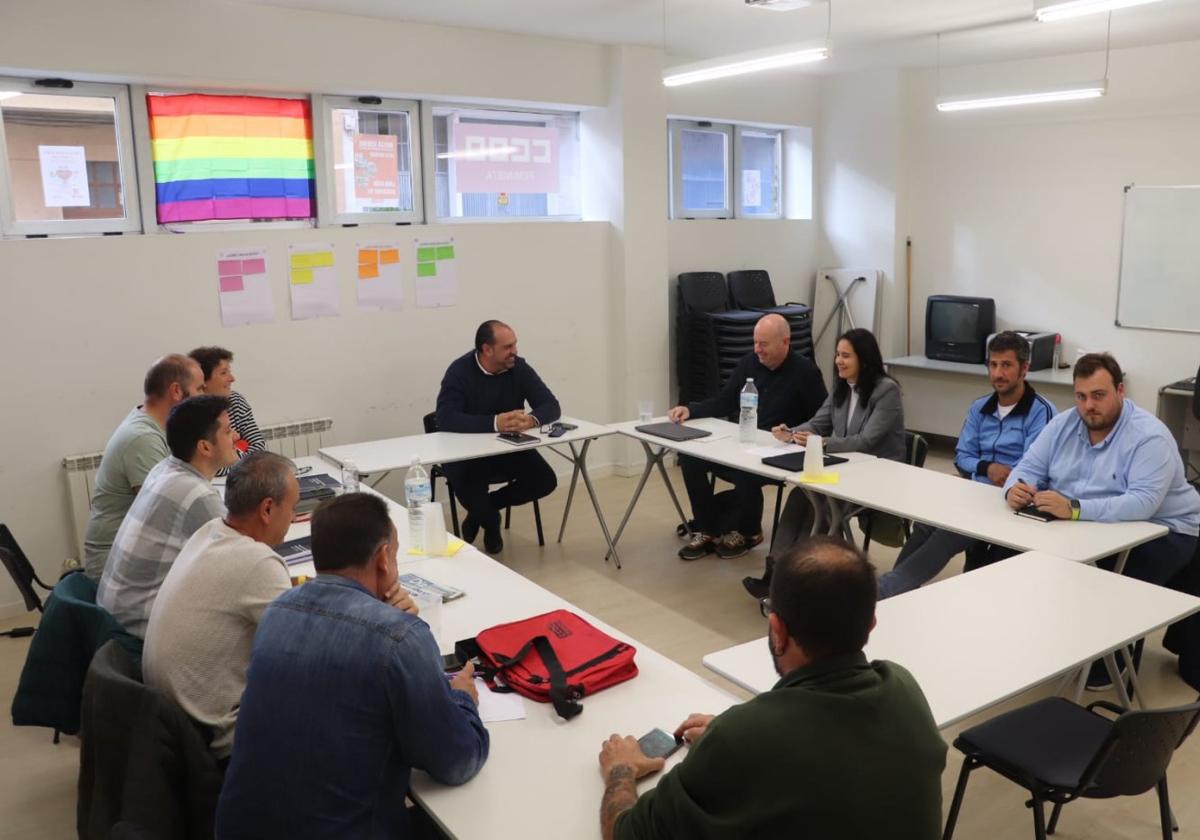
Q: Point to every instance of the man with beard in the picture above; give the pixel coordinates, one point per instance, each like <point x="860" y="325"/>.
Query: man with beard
<point x="840" y="747"/>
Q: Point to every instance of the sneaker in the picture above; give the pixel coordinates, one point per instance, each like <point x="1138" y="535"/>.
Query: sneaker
<point x="700" y="545"/>
<point x="734" y="544"/>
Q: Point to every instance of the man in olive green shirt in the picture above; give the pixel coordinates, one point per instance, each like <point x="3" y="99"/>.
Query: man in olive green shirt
<point x="134" y="449"/>
<point x="840" y="747"/>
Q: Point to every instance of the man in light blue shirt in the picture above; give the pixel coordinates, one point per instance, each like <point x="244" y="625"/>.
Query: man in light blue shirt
<point x="1110" y="461"/>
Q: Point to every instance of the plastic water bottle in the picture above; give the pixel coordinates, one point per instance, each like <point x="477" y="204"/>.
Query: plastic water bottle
<point x="349" y="477"/>
<point x="748" y="421"/>
<point x="417" y="491"/>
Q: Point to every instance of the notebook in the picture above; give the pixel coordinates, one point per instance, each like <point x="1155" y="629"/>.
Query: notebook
<point x="794" y="461"/>
<point x="295" y="551"/>
<point x="673" y="431"/>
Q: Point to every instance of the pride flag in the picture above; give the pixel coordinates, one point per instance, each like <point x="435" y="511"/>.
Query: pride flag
<point x="231" y="157"/>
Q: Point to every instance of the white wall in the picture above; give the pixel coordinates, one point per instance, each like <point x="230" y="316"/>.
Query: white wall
<point x="1025" y="205"/>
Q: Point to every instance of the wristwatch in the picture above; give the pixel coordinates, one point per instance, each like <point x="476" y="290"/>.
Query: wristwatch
<point x="1074" y="509"/>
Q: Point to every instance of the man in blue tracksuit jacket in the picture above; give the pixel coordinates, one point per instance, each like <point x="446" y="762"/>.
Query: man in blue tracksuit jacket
<point x="998" y="430"/>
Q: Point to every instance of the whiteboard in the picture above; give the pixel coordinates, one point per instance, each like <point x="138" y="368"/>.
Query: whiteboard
<point x="1159" y="286"/>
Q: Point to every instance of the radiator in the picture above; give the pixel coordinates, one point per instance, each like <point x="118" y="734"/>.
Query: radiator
<point x="295" y="440"/>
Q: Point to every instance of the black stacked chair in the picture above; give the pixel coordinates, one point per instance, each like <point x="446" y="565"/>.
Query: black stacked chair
<point x="700" y="294"/>
<point x="751" y="289"/>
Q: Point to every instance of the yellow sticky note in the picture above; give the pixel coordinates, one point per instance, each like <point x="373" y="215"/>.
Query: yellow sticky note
<point x="302" y="276"/>
<point x="367" y="272"/>
<point x="822" y="478"/>
<point x="321" y="259"/>
<point x="301" y="260"/>
<point x="453" y="544"/>
<point x="387" y="256"/>
<point x="368" y="256"/>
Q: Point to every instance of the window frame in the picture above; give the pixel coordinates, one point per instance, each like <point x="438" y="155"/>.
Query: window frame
<point x="676" y="128"/>
<point x="127" y="162"/>
<point x="326" y="188"/>
<point x="738" y="149"/>
<point x="429" y="164"/>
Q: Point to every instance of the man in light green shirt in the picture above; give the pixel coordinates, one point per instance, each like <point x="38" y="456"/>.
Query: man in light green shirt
<point x="135" y="447"/>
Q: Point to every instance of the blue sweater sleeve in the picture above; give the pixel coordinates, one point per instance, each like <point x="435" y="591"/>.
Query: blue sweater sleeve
<point x="542" y="403"/>
<point x="967" y="454"/>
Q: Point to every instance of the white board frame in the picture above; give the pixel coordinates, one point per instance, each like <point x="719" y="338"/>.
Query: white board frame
<point x="1129" y="286"/>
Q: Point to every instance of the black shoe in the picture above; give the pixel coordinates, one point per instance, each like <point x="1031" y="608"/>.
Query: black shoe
<point x="757" y="587"/>
<point x="470" y="528"/>
<point x="493" y="542"/>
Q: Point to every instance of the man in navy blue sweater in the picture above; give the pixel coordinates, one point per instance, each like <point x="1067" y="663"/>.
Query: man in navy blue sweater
<point x="486" y="391"/>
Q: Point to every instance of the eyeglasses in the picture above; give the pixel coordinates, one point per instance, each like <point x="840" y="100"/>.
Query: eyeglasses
<point x="764" y="606"/>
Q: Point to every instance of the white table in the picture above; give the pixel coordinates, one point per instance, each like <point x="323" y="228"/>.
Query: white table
<point x="721" y="447"/>
<point x="976" y="510"/>
<point x="937" y="393"/>
<point x="541" y="767"/>
<point x="378" y="458"/>
<point x="975" y="640"/>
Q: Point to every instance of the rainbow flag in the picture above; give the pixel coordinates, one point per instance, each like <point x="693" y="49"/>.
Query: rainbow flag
<point x="231" y="157"/>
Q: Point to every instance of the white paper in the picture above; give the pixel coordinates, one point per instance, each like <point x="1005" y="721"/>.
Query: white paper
<point x="254" y="302"/>
<point x="495" y="707"/>
<point x="314" y="288"/>
<point x="775" y="449"/>
<point x="64" y="176"/>
<point x="440" y="289"/>
<point x="751" y="188"/>
<point x="708" y="438"/>
<point x="385" y="291"/>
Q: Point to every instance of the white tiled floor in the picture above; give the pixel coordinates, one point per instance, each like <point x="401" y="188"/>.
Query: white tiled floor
<point x="683" y="610"/>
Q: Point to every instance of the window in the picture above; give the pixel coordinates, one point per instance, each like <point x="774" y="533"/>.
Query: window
<point x="225" y="158"/>
<point x="371" y="146"/>
<point x="494" y="164"/>
<point x="722" y="171"/>
<point x="66" y="162"/>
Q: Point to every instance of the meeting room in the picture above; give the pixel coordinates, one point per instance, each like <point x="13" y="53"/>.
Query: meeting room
<point x="625" y="419"/>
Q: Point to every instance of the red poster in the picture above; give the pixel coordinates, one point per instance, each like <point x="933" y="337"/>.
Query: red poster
<point x="376" y="165"/>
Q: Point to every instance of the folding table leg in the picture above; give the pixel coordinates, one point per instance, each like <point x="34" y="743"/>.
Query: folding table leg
<point x="570" y="496"/>
<point x="581" y="462"/>
<point x="651" y="459"/>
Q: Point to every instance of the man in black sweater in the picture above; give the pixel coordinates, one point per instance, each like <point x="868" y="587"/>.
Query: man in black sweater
<point x="790" y="390"/>
<point x="485" y="391"/>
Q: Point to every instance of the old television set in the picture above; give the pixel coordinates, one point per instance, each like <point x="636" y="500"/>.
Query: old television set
<point x="957" y="328"/>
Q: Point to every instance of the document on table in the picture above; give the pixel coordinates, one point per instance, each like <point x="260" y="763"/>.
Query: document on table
<point x="495" y="707"/>
<point x="713" y="438"/>
<point x="775" y="449"/>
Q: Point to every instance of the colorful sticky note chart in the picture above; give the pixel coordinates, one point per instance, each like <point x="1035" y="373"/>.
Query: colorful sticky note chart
<point x="228" y="268"/>
<point x="254" y="266"/>
<point x="302" y="276"/>
<point x="301" y="260"/>
<point x="368" y="256"/>
<point x="427" y="269"/>
<point x="366" y="271"/>
<point x="427" y="253"/>
<point x="388" y="256"/>
<point x="445" y="252"/>
<point x="321" y="259"/>
<point x="232" y="284"/>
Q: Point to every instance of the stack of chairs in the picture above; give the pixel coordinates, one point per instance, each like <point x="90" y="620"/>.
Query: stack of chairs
<point x="716" y="315"/>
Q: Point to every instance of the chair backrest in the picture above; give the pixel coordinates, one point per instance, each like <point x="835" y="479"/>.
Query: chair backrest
<point x="751" y="289"/>
<point x="1137" y="751"/>
<point x="915" y="449"/>
<point x="703" y="291"/>
<point x="19" y="568"/>
<point x="429" y="421"/>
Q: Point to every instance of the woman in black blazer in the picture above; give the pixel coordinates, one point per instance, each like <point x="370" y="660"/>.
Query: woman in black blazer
<point x="863" y="413"/>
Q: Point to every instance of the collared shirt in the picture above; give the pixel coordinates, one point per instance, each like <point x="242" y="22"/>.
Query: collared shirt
<point x="345" y="696"/>
<point x="843" y="748"/>
<point x="171" y="506"/>
<point x="1134" y="474"/>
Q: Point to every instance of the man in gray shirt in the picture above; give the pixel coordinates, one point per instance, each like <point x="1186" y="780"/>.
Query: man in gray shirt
<point x="175" y="501"/>
<point x="133" y="450"/>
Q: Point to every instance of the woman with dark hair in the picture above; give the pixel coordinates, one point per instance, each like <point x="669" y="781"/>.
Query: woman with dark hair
<point x="216" y="363"/>
<point x="862" y="413"/>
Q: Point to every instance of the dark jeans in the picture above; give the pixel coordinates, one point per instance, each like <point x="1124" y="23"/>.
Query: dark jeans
<point x="528" y="474"/>
<point x="747" y="490"/>
<point x="1158" y="560"/>
<point x="925" y="554"/>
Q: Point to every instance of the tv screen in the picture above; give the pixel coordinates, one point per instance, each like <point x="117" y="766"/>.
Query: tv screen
<point x="954" y="322"/>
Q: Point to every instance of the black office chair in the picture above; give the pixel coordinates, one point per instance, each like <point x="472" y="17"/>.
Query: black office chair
<point x="1060" y="751"/>
<point x="751" y="289"/>
<point x="21" y="571"/>
<point x="703" y="291"/>
<point x="916" y="448"/>
<point x="429" y="421"/>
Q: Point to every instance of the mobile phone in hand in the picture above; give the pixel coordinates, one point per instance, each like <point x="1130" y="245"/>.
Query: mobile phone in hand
<point x="659" y="744"/>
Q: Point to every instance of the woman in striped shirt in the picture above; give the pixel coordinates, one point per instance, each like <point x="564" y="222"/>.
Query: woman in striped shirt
<point x="216" y="364"/>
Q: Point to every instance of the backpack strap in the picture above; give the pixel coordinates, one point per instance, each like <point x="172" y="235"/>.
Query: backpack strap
<point x="564" y="698"/>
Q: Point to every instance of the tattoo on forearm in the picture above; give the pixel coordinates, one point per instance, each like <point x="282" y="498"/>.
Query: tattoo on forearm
<point x="620" y="794"/>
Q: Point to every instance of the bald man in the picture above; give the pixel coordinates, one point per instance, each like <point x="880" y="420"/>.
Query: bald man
<point x="790" y="390"/>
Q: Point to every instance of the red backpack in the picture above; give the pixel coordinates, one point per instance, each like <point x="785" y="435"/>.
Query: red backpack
<point x="553" y="658"/>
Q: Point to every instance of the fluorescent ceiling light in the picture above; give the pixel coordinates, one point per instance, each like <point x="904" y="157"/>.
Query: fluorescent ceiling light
<point x="737" y="68"/>
<point x="1078" y="8"/>
<point x="781" y="5"/>
<point x="1062" y="94"/>
<point x="9" y="94"/>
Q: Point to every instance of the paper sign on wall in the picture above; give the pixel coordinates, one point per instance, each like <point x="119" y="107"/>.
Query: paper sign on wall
<point x="751" y="188"/>
<point x="64" y="176"/>
<point x="437" y="273"/>
<point x="379" y="283"/>
<point x="505" y="158"/>
<point x="312" y="280"/>
<point x="376" y="168"/>
<point x="244" y="288"/>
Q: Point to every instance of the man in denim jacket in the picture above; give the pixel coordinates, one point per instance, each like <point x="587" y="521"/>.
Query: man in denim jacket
<point x="999" y="429"/>
<point x="345" y="695"/>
